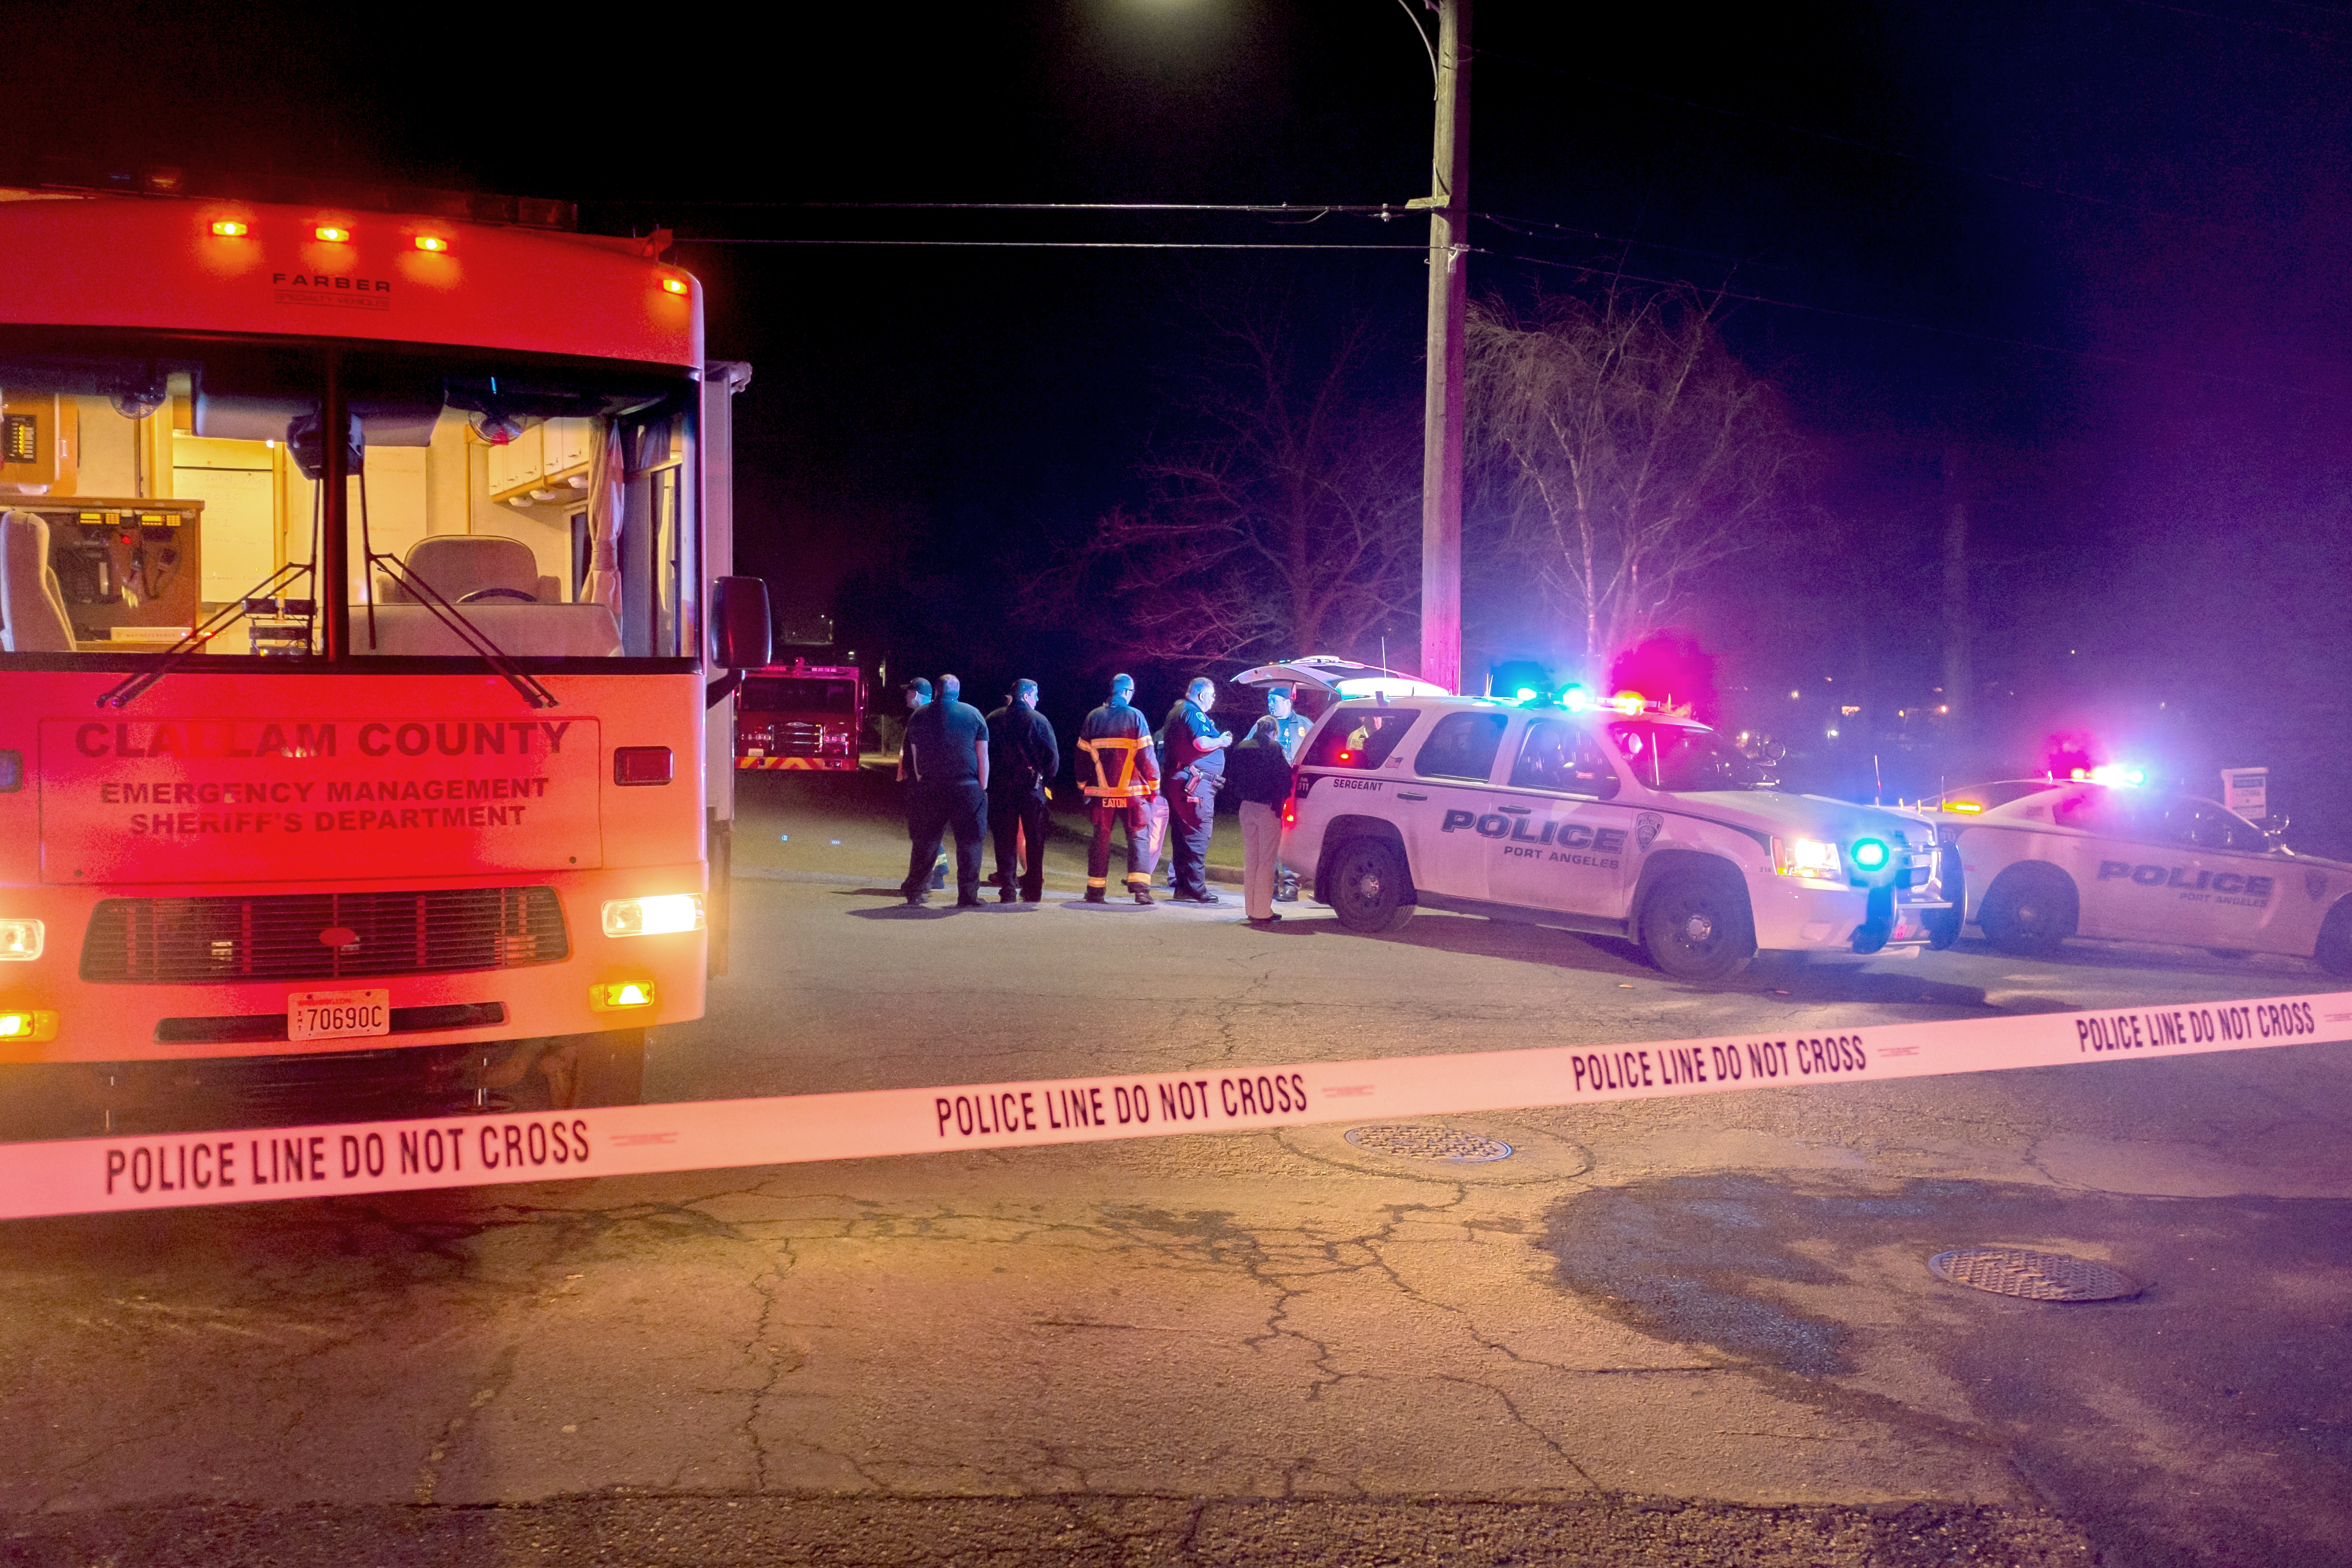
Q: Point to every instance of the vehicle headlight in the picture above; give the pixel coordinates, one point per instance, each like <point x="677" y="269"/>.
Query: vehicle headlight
<point x="1807" y="858"/>
<point x="654" y="916"/>
<point x="1871" y="855"/>
<point x="21" y="939"/>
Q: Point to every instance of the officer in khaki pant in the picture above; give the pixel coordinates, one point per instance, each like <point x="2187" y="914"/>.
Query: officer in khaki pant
<point x="1257" y="771"/>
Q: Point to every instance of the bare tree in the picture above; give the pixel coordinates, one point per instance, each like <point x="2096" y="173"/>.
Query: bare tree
<point x="1286" y="523"/>
<point x="1622" y="449"/>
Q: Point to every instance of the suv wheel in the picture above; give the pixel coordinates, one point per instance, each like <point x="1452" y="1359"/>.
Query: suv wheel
<point x="2335" y="951"/>
<point x="1369" y="885"/>
<point x="1695" y="926"/>
<point x="2030" y="909"/>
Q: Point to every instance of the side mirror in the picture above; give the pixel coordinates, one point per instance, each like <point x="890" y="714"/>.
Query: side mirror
<point x="743" y="636"/>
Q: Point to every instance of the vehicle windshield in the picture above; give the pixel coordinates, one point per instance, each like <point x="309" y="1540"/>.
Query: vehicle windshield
<point x="1686" y="758"/>
<point x="156" y="483"/>
<point x="796" y="694"/>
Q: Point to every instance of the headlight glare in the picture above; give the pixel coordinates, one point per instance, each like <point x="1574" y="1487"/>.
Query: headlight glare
<point x="1806" y="857"/>
<point x="657" y="915"/>
<point x="21" y="939"/>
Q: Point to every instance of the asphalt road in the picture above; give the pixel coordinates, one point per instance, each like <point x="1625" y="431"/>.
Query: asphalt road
<point x="1681" y="1331"/>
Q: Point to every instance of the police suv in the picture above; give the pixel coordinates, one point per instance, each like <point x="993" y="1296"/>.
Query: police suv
<point x="1616" y="819"/>
<point x="2044" y="861"/>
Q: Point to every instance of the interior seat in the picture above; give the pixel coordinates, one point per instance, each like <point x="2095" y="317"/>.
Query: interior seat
<point x="455" y="564"/>
<point x="33" y="618"/>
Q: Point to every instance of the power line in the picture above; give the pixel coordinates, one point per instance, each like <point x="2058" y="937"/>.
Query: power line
<point x="2089" y="355"/>
<point x="1284" y="209"/>
<point x="1859" y="145"/>
<point x="2240" y="21"/>
<point x="1052" y="244"/>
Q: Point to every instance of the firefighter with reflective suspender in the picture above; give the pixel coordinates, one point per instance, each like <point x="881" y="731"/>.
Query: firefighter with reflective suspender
<point x="1120" y="772"/>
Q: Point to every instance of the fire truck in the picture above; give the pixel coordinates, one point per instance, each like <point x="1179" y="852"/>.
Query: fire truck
<point x="364" y="585"/>
<point x="800" y="716"/>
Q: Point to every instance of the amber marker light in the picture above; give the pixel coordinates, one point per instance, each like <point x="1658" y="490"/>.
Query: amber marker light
<point x="332" y="235"/>
<point x="432" y="242"/>
<point x="621" y="995"/>
<point x="675" y="285"/>
<point x="229" y="229"/>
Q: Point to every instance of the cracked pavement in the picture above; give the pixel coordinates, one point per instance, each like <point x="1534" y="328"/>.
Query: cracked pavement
<point x="1692" y="1330"/>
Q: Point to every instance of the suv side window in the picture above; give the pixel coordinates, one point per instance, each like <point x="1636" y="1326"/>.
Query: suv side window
<point x="1360" y="738"/>
<point x="1567" y="758"/>
<point x="1463" y="746"/>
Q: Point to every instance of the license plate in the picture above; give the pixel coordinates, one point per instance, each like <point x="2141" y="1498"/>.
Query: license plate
<point x="337" y="1014"/>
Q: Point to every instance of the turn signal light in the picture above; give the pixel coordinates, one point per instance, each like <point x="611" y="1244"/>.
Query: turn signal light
<point x="28" y="1024"/>
<point x="229" y="229"/>
<point x="621" y="995"/>
<point x="330" y="234"/>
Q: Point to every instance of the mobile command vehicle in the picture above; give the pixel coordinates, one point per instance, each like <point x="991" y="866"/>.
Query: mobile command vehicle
<point x="800" y="716"/>
<point x="360" y="576"/>
<point x="1617" y="820"/>
<point x="2045" y="860"/>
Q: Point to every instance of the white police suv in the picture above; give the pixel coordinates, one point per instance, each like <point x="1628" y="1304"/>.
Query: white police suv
<point x="2042" y="861"/>
<point x="1616" y="819"/>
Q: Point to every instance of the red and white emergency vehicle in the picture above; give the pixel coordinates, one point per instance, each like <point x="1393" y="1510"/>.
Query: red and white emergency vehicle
<point x="334" y="761"/>
<point x="800" y="716"/>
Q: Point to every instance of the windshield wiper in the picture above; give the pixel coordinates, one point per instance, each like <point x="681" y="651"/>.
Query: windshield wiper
<point x="270" y="590"/>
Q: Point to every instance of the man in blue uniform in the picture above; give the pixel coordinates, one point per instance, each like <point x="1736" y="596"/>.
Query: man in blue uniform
<point x="1022" y="761"/>
<point x="1119" y="772"/>
<point x="1196" y="766"/>
<point x="946" y="762"/>
<point x="1290" y="728"/>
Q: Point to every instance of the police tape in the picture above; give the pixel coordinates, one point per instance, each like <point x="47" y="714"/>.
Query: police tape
<point x="90" y="1175"/>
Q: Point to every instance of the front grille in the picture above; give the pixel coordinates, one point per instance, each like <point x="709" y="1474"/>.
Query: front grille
<point x="798" y="739"/>
<point x="193" y="941"/>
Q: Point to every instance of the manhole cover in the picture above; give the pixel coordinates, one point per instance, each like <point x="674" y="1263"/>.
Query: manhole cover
<point x="1444" y="1143"/>
<point x="2035" y="1276"/>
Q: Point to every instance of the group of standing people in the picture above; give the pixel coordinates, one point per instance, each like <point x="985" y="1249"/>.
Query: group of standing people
<point x="966" y="773"/>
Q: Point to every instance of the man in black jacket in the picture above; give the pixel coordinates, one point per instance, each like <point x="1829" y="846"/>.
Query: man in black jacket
<point x="946" y="760"/>
<point x="1259" y="772"/>
<point x="1022" y="761"/>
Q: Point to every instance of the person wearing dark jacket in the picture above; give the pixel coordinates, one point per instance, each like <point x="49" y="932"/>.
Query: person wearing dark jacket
<point x="946" y="762"/>
<point x="1193" y="766"/>
<point x="1022" y="761"/>
<point x="1258" y="772"/>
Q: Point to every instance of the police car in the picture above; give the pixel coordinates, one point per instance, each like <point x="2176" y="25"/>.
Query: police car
<point x="2043" y="860"/>
<point x="1616" y="819"/>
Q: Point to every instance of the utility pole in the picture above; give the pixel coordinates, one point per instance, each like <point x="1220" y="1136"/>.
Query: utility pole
<point x="1441" y="470"/>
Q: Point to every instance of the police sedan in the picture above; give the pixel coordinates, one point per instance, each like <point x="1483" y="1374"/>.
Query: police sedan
<point x="2045" y="861"/>
<point x="1620" y="820"/>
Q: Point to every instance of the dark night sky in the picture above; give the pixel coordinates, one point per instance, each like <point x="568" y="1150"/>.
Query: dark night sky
<point x="2099" y="242"/>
